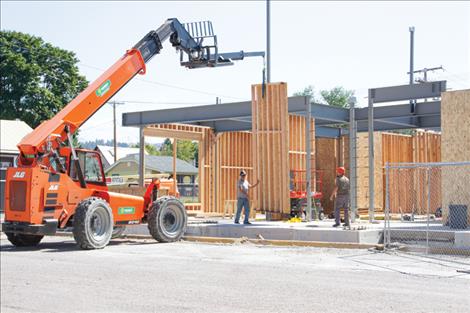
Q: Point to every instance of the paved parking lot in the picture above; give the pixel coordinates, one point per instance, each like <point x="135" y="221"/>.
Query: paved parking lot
<point x="145" y="276"/>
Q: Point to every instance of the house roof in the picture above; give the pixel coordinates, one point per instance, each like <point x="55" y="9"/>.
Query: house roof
<point x="11" y="133"/>
<point x="108" y="152"/>
<point x="161" y="164"/>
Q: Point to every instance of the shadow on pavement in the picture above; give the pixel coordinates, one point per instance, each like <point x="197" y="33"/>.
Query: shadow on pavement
<point x="69" y="245"/>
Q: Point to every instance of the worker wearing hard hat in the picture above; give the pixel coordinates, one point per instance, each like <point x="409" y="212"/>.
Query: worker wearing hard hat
<point x="341" y="192"/>
<point x="243" y="200"/>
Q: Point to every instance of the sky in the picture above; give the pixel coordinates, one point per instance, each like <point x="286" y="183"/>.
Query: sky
<point x="357" y="45"/>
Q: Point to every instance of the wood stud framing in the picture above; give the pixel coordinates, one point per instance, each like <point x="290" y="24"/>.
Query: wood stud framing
<point x="271" y="149"/>
<point x="276" y="145"/>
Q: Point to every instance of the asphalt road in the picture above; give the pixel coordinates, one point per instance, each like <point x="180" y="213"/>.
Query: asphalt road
<point x="144" y="276"/>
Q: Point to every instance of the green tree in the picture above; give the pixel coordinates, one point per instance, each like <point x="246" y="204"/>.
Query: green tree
<point x="185" y="149"/>
<point x="151" y="149"/>
<point x="167" y="147"/>
<point x="36" y="78"/>
<point x="338" y="96"/>
<point x="308" y="91"/>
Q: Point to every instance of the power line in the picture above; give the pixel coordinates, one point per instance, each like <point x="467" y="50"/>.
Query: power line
<point x="164" y="102"/>
<point x="24" y="49"/>
<point x="169" y="85"/>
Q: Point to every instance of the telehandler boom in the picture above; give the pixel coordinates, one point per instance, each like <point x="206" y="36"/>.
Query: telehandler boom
<point x="56" y="185"/>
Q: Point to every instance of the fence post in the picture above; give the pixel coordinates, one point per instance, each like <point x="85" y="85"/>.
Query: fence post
<point x="428" y="207"/>
<point x="387" y="207"/>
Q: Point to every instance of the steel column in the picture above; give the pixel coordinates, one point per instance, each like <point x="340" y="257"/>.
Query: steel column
<point x="268" y="41"/>
<point x="141" y="157"/>
<point x="352" y="159"/>
<point x="412" y="38"/>
<point x="308" y="158"/>
<point x="371" y="156"/>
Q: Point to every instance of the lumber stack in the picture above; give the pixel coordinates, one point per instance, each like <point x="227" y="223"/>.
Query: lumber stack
<point x="455" y="125"/>
<point x="270" y="129"/>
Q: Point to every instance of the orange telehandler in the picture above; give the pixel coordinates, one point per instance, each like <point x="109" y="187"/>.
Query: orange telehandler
<point x="56" y="186"/>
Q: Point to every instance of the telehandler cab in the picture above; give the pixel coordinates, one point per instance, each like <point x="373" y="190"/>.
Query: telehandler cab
<point x="56" y="186"/>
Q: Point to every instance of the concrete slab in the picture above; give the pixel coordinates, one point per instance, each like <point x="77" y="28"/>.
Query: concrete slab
<point x="315" y="231"/>
<point x="462" y="239"/>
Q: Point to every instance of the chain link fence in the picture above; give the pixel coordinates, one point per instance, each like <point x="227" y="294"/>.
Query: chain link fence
<point x="427" y="208"/>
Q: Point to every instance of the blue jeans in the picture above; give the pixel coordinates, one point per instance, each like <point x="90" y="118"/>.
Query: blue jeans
<point x="243" y="202"/>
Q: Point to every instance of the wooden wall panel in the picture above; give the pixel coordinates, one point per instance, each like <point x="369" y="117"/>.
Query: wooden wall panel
<point x="234" y="154"/>
<point x="399" y="149"/>
<point x="187" y="132"/>
<point x="362" y="154"/>
<point x="408" y="191"/>
<point x="298" y="150"/>
<point x="326" y="153"/>
<point x="271" y="148"/>
<point x="455" y="125"/>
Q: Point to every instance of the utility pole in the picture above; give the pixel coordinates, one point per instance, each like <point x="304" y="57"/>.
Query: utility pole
<point x="268" y="41"/>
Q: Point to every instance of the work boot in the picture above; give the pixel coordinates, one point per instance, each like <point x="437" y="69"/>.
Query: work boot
<point x="247" y="223"/>
<point x="346" y="225"/>
<point x="237" y="222"/>
<point x="336" y="225"/>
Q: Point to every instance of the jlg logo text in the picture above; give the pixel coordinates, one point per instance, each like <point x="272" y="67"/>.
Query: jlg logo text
<point x="19" y="175"/>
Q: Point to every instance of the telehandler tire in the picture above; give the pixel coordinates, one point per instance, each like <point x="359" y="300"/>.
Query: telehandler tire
<point x="167" y="219"/>
<point x="24" y="240"/>
<point x="93" y="224"/>
<point x="118" y="231"/>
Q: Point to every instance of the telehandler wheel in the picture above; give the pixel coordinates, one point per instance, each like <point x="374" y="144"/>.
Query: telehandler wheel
<point x="93" y="223"/>
<point x="24" y="240"/>
<point x="167" y="219"/>
<point x="118" y="231"/>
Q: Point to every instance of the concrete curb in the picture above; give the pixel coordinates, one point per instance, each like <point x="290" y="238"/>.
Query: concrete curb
<point x="285" y="243"/>
<point x="281" y="243"/>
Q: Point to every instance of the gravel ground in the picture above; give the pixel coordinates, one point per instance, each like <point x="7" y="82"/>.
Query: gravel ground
<point x="145" y="276"/>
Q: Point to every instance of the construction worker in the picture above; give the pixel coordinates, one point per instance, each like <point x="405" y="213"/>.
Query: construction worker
<point x="341" y="192"/>
<point x="243" y="199"/>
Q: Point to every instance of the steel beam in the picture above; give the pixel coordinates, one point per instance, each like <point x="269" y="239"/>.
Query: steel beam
<point x="327" y="132"/>
<point x="226" y="125"/>
<point x="408" y="92"/>
<point x="188" y="114"/>
<point x="400" y="110"/>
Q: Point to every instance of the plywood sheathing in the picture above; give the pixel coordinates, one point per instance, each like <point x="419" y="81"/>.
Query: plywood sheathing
<point x="455" y="126"/>
<point x="270" y="128"/>
<point x="327" y="160"/>
<point x="363" y="172"/>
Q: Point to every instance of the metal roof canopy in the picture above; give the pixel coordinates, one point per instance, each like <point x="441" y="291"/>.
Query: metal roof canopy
<point x="328" y="119"/>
